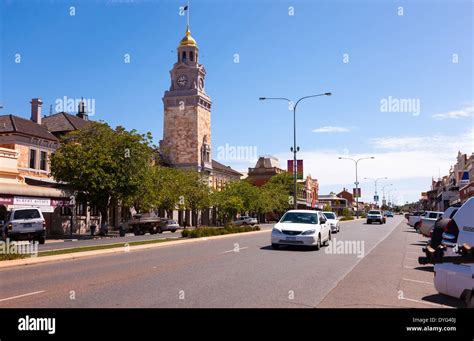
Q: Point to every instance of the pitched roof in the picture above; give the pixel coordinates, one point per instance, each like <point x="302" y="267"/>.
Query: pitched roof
<point x="63" y="122"/>
<point x="15" y="124"/>
<point x="225" y="169"/>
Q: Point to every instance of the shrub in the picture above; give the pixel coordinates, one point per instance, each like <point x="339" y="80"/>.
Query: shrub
<point x="347" y="218"/>
<point x="216" y="231"/>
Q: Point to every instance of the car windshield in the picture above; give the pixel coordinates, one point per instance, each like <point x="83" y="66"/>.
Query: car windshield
<point x="330" y="215"/>
<point x="299" y="218"/>
<point x="374" y="212"/>
<point x="26" y="214"/>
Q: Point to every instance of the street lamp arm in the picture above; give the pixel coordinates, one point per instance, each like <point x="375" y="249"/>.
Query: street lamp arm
<point x="318" y="95"/>
<point x="278" y="98"/>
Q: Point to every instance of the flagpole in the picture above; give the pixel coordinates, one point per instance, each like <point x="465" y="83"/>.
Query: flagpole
<point x="187" y="17"/>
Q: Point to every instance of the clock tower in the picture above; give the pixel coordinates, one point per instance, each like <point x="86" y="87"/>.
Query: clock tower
<point x="187" y="112"/>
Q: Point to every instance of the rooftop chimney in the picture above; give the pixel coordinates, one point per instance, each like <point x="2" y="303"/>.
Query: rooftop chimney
<point x="36" y="104"/>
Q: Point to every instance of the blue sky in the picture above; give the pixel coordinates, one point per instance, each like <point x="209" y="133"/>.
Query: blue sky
<point x="407" y="56"/>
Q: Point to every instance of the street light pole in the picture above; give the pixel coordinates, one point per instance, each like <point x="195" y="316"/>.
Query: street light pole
<point x="294" y="149"/>
<point x="383" y="191"/>
<point x="375" y="181"/>
<point x="357" y="181"/>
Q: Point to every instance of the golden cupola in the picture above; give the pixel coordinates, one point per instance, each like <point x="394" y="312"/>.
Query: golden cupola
<point x="188" y="40"/>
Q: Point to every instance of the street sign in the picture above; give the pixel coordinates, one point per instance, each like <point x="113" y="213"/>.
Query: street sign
<point x="376" y="198"/>
<point x="356" y="194"/>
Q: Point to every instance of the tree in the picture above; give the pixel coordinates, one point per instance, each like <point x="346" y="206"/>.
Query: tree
<point x="103" y="164"/>
<point x="196" y="192"/>
<point x="327" y="208"/>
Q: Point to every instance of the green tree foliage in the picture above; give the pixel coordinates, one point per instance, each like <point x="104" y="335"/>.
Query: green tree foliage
<point x="103" y="164"/>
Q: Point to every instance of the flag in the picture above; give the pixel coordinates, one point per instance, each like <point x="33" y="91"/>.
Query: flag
<point x="185" y="8"/>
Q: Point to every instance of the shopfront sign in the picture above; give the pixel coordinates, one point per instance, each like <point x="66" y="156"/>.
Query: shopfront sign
<point x="28" y="201"/>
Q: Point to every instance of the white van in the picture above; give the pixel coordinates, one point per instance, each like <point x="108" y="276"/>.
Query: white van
<point x="24" y="224"/>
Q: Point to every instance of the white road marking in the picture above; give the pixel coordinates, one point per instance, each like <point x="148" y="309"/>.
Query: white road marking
<point x="24" y="295"/>
<point x="429" y="303"/>
<point x="411" y="258"/>
<point x="414" y="280"/>
<point x="236" y="250"/>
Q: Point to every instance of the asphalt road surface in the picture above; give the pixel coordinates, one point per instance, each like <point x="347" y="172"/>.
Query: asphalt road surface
<point x="237" y="271"/>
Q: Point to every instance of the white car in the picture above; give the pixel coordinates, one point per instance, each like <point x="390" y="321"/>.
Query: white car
<point x="301" y="227"/>
<point x="375" y="216"/>
<point x="333" y="221"/>
<point x="245" y="220"/>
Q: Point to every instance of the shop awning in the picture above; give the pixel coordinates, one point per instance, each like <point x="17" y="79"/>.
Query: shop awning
<point x="29" y="190"/>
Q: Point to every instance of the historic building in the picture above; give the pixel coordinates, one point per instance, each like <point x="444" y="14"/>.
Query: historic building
<point x="25" y="181"/>
<point x="187" y="142"/>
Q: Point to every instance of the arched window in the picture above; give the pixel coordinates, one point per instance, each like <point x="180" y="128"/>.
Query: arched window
<point x="183" y="58"/>
<point x="191" y="56"/>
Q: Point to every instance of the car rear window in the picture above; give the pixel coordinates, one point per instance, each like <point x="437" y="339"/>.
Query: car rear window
<point x="374" y="212"/>
<point x="26" y="214"/>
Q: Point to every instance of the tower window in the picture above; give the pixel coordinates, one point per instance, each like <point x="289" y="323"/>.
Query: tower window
<point x="183" y="58"/>
<point x="191" y="56"/>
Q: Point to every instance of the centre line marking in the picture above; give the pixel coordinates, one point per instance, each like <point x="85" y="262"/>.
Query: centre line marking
<point x="24" y="295"/>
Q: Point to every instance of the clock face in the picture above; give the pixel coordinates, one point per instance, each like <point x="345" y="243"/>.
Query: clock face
<point x="182" y="80"/>
<point x="201" y="83"/>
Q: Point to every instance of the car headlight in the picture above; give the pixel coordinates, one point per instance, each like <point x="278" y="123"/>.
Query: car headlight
<point x="305" y="233"/>
<point x="333" y="224"/>
<point x="277" y="231"/>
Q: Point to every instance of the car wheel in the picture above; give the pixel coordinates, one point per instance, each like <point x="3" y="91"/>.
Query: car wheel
<point x="417" y="226"/>
<point x="318" y="244"/>
<point x="159" y="230"/>
<point x="42" y="240"/>
<point x="173" y="231"/>
<point x="275" y="246"/>
<point x="326" y="243"/>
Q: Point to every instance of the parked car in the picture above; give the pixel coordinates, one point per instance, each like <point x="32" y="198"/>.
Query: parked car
<point x="451" y="244"/>
<point x="168" y="225"/>
<point x="415" y="218"/>
<point x="25" y="224"/>
<point x="301" y="227"/>
<point x="375" y="216"/>
<point x="427" y="222"/>
<point x="333" y="221"/>
<point x="245" y="220"/>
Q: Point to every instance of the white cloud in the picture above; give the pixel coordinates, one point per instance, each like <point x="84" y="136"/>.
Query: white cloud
<point x="466" y="111"/>
<point x="329" y="129"/>
<point x="409" y="163"/>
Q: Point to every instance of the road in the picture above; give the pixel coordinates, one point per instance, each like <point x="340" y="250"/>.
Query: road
<point x="206" y="273"/>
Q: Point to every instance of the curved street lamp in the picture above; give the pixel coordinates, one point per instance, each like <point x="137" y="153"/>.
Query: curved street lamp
<point x="294" y="149"/>
<point x="375" y="182"/>
<point x="356" y="161"/>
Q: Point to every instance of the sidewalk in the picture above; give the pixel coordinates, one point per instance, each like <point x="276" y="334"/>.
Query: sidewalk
<point x="390" y="276"/>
